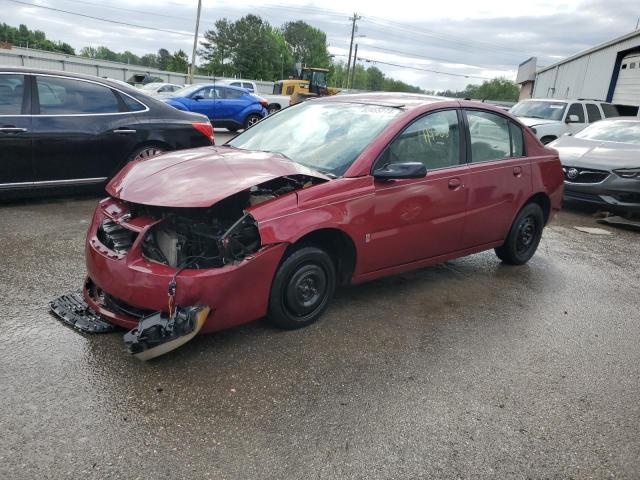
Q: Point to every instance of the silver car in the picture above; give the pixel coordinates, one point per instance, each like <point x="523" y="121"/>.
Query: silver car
<point x="601" y="164"/>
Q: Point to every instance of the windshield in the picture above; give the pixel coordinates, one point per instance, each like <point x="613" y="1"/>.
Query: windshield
<point x="623" y="131"/>
<point x="327" y="137"/>
<point x="186" y="91"/>
<point x="544" y="110"/>
<point x="150" y="86"/>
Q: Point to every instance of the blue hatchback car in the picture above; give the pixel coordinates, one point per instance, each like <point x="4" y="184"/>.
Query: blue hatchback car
<point x="230" y="107"/>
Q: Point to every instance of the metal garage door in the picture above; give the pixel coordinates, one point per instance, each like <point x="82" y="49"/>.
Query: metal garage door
<point x="627" y="90"/>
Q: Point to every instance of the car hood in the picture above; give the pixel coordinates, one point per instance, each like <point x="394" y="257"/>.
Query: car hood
<point x="200" y="177"/>
<point x="532" y="122"/>
<point x="578" y="152"/>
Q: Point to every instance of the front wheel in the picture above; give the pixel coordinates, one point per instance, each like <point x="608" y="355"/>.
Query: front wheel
<point x="524" y="236"/>
<point x="251" y="120"/>
<point x="302" y="288"/>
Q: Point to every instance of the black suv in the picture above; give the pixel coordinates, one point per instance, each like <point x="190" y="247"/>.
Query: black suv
<point x="59" y="129"/>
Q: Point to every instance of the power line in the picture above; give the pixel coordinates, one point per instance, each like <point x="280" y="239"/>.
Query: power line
<point x="415" y="55"/>
<point x="369" y="60"/>
<point x="117" y="22"/>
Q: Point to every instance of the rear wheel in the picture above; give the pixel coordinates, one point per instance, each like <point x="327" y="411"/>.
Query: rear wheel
<point x="524" y="236"/>
<point x="146" y="152"/>
<point x="251" y="120"/>
<point x="302" y="288"/>
<point x="548" y="139"/>
<point x="273" y="109"/>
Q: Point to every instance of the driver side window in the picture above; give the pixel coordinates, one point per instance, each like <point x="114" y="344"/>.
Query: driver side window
<point x="433" y="140"/>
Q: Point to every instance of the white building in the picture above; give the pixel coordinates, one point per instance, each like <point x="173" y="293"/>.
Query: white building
<point x="609" y="72"/>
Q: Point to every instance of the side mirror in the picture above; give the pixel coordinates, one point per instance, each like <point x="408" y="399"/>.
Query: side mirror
<point x="197" y="97"/>
<point x="394" y="171"/>
<point x="572" y="119"/>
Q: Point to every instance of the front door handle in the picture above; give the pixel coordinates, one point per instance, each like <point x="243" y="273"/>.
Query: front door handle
<point x="454" y="183"/>
<point x="517" y="171"/>
<point x="13" y="130"/>
<point x="124" y="131"/>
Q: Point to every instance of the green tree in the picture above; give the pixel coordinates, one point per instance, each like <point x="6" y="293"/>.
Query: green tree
<point x="179" y="62"/>
<point x="495" y="89"/>
<point x="248" y="47"/>
<point x="22" y="36"/>
<point x="164" y="57"/>
<point x="307" y="44"/>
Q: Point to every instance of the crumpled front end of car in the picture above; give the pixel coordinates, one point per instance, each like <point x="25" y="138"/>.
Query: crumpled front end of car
<point x="134" y="252"/>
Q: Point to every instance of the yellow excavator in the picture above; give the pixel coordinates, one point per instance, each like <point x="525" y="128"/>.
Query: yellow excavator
<point x="309" y="82"/>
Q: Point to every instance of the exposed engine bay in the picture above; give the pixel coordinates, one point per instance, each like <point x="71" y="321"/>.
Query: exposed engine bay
<point x="210" y="237"/>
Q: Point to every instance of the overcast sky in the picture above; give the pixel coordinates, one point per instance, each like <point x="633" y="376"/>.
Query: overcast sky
<point x="465" y="37"/>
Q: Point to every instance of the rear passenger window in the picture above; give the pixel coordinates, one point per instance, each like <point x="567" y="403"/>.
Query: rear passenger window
<point x="248" y="86"/>
<point x="132" y="104"/>
<point x="517" y="140"/>
<point x="433" y="140"/>
<point x="231" y="93"/>
<point x="593" y="114"/>
<point x="59" y="96"/>
<point x="576" y="109"/>
<point x="11" y="93"/>
<point x="609" y="110"/>
<point x="489" y="136"/>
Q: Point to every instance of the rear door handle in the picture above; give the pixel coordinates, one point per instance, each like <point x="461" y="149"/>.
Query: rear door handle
<point x="454" y="183"/>
<point x="124" y="131"/>
<point x="517" y="171"/>
<point x="13" y="130"/>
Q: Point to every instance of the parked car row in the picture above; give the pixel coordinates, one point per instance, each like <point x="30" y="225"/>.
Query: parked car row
<point x="59" y="129"/>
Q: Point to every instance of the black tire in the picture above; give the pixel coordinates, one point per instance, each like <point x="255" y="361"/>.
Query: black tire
<point x="273" y="108"/>
<point x="524" y="236"/>
<point x="251" y="120"/>
<point x="548" y="139"/>
<point x="146" y="151"/>
<point x="302" y="288"/>
<point x="233" y="129"/>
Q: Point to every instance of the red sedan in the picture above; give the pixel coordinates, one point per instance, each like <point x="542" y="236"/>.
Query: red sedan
<point x="336" y="190"/>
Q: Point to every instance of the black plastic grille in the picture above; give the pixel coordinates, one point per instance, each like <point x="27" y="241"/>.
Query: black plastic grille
<point x="584" y="175"/>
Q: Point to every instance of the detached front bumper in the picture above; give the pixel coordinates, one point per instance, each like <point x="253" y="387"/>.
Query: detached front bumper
<point x="124" y="287"/>
<point x="613" y="193"/>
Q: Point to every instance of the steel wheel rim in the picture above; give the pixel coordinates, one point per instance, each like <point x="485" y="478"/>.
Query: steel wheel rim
<point x="527" y="232"/>
<point x="306" y="290"/>
<point x="148" y="153"/>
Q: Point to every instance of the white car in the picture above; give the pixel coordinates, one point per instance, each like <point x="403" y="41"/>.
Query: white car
<point x="160" y="89"/>
<point x="276" y="102"/>
<point x="552" y="118"/>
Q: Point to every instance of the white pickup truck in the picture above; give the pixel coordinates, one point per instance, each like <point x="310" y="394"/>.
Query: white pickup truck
<point x="276" y="102"/>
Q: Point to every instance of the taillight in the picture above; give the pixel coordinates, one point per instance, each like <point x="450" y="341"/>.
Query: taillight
<point x="205" y="128"/>
<point x="264" y="103"/>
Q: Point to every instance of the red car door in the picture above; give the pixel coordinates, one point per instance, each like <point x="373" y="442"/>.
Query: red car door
<point x="420" y="218"/>
<point x="499" y="176"/>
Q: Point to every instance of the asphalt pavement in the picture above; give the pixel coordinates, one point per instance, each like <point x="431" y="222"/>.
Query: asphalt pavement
<point x="469" y="369"/>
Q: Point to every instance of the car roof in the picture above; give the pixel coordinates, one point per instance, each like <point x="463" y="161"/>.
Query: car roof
<point x="389" y="99"/>
<point x="563" y="100"/>
<point x="117" y="84"/>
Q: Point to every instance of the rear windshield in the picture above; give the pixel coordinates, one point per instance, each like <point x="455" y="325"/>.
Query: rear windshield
<point x="327" y="137"/>
<point x="622" y="131"/>
<point x="539" y="109"/>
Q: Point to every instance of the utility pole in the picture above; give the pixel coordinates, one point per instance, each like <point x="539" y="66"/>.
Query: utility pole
<point x="195" y="44"/>
<point x="354" y="19"/>
<point x="353" y="70"/>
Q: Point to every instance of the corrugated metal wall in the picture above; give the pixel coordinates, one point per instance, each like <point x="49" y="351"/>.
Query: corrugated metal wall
<point x="100" y="68"/>
<point x="587" y="76"/>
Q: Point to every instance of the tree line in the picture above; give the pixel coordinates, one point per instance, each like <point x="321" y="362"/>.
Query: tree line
<point x="163" y="60"/>
<point x="494" y="89"/>
<point x="24" y="37"/>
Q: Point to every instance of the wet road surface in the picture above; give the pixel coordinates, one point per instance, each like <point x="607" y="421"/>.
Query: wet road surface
<point x="469" y="369"/>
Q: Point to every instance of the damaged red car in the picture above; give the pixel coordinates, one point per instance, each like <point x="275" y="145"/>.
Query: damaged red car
<point x="332" y="191"/>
